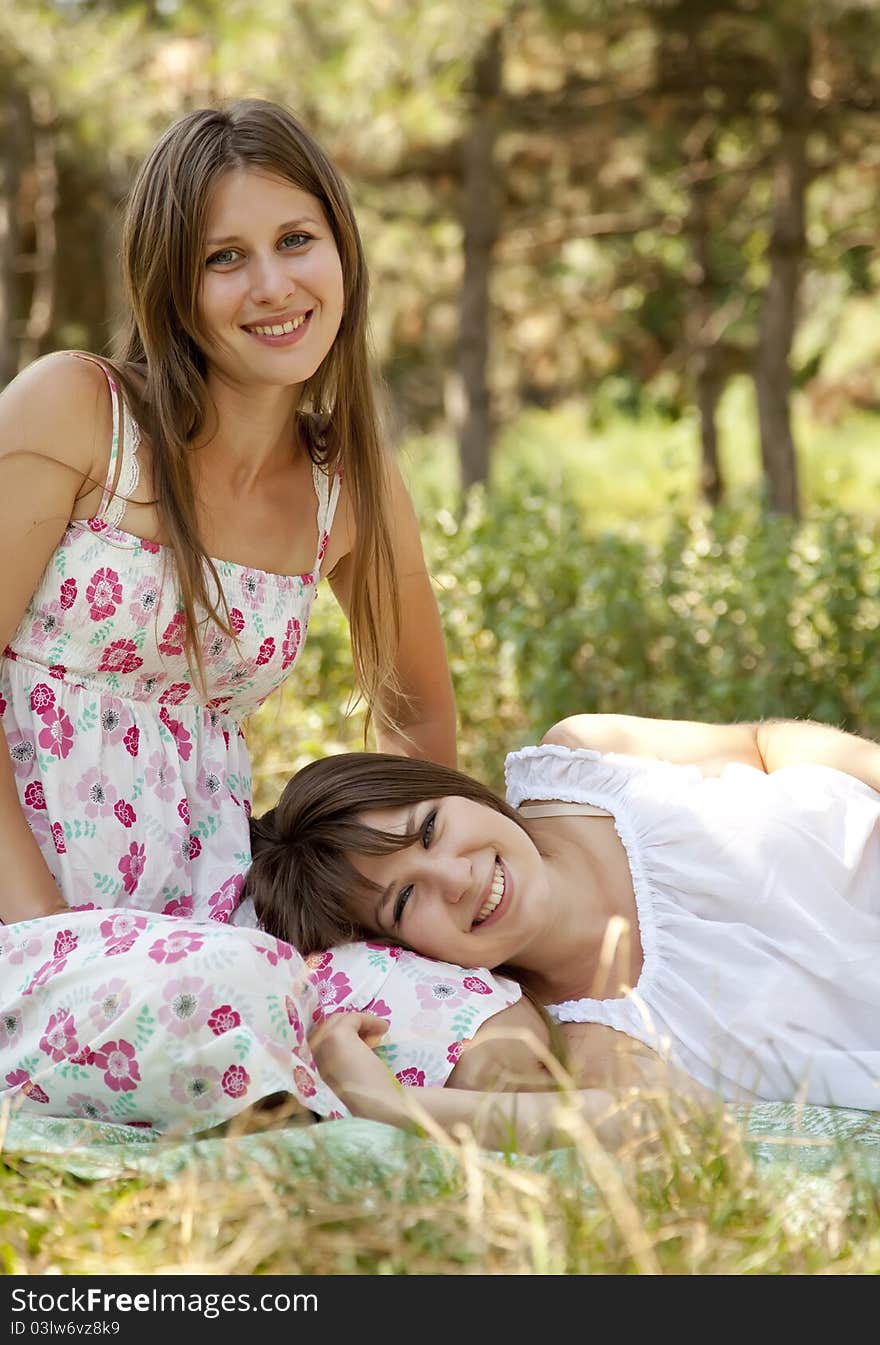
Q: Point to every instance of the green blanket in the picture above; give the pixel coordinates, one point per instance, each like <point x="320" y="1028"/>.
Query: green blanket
<point x="807" y="1139"/>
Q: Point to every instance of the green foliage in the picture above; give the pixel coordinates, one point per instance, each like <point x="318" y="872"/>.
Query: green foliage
<point x="737" y="616"/>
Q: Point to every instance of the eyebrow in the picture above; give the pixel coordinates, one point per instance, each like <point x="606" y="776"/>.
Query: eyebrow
<point x="287" y="227"/>
<point x="388" y="892"/>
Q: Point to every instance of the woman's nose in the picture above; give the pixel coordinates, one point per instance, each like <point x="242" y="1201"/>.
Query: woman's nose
<point x="456" y="877"/>
<point x="271" y="280"/>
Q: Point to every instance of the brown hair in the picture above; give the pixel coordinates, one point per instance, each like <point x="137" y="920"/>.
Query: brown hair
<point x="302" y="880"/>
<point x="162" y="366"/>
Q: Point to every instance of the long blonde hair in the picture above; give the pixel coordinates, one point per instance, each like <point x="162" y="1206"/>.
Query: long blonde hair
<point x="160" y="361"/>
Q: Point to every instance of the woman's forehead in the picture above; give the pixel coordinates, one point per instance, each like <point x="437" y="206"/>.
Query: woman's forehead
<point x="400" y="818"/>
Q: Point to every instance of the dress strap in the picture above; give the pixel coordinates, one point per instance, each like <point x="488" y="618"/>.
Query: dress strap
<point x="562" y="810"/>
<point x="327" y="490"/>
<point x="123" y="469"/>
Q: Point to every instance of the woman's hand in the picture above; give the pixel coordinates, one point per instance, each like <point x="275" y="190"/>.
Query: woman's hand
<point x="343" y="1049"/>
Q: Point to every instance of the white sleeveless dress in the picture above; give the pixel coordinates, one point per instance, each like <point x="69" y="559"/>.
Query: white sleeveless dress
<point x="758" y="902"/>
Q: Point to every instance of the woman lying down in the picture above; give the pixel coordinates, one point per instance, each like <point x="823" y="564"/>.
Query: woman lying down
<point x="424" y="1044"/>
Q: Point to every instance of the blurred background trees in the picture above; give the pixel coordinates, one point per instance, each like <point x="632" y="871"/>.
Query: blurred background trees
<point x="623" y="256"/>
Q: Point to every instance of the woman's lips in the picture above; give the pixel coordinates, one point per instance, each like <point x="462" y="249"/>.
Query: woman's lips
<point x="503" y="903"/>
<point x="282" y="339"/>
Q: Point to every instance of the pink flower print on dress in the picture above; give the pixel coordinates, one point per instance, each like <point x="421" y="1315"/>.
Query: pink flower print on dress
<point x="173" y="635"/>
<point x="278" y="952"/>
<point x="144" y="601"/>
<point x="197" y="1085"/>
<point x="110" y="1001"/>
<point x="216" y="646"/>
<point x="304" y="1081"/>
<point x="98" y="794"/>
<point x="194" y="848"/>
<point x="453" y="1053"/>
<point x="411" y="1078"/>
<point x="21" y="1081"/>
<point x="379" y="1008"/>
<point x="318" y="961"/>
<point x="67" y="596"/>
<point x="223" y="902"/>
<point x="104" y="594"/>
<point x="322" y="548"/>
<point x="131" y="741"/>
<point x="57" y="735"/>
<point x="292" y="641"/>
<point x="34" y="796"/>
<point x="42" y="699"/>
<point x="161" y="777"/>
<point x="44" y="974"/>
<point x="236" y="1081"/>
<point x="119" y="1062"/>
<point x="209" y="781"/>
<point x="145" y="686"/>
<point x="437" y="994"/>
<point x="185" y="1008"/>
<point x="236" y="620"/>
<point x="183" y="811"/>
<point x="131" y="866"/>
<point x="224" y="1019"/>
<point x="10" y="1028"/>
<point x="120" y="656"/>
<point x="113" y="726"/>
<point x="176" y="946"/>
<point x="267" y="652"/>
<point x="122" y="927"/>
<point x="124" y="813"/>
<point x="175" y="694"/>
<point x="58" y="838"/>
<point x="294" y="1020"/>
<point x="59" y="1036"/>
<point x="49" y="621"/>
<point x="252" y="584"/>
<point x="476" y="986"/>
<point x="22" y="752"/>
<point x="89" y="1108"/>
<point x="65" y="942"/>
<point x="178" y="733"/>
<point x="23" y="949"/>
<point x="332" y="989"/>
<point x="179" y="906"/>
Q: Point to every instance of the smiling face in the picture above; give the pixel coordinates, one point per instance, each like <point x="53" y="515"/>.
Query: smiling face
<point x="271" y="298"/>
<point x="472" y="889"/>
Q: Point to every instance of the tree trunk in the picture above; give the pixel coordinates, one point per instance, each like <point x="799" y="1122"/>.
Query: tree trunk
<point x="471" y="406"/>
<point x="38" y="326"/>
<point x="786" y="256"/>
<point x="702" y="336"/>
<point x="11" y="153"/>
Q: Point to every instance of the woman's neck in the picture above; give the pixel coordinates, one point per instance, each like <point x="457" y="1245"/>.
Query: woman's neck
<point x="248" y="429"/>
<point x="591" y="949"/>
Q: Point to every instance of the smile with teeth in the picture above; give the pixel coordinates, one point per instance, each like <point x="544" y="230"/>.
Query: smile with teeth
<point x="278" y="328"/>
<point x="497" y="892"/>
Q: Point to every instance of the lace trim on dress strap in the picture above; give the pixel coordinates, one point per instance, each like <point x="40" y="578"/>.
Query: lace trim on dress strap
<point x="327" y="491"/>
<point x="113" y="511"/>
<point x="122" y="479"/>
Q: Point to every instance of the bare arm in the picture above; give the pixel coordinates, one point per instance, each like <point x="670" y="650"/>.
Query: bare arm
<point x="767" y="746"/>
<point x="530" y="1121"/>
<point x="427" y="710"/>
<point x="50" y="420"/>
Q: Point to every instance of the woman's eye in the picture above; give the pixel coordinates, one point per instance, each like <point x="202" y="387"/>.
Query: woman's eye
<point x="403" y="897"/>
<point x="295" y="240"/>
<point x="428" y="828"/>
<point x="223" y="258"/>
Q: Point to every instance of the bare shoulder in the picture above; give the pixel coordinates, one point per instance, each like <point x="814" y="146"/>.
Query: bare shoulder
<point x="57" y="408"/>
<point x="601" y="733"/>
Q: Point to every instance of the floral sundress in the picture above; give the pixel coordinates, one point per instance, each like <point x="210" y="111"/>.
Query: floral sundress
<point x="145" y="1004"/>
